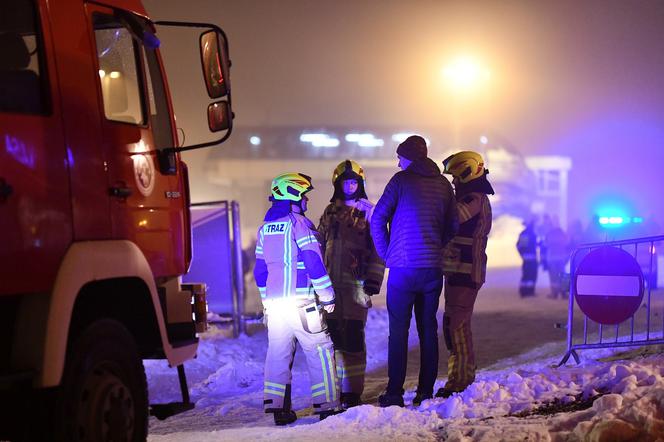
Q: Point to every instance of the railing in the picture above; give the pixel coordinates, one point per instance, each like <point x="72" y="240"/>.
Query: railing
<point x="644" y="250"/>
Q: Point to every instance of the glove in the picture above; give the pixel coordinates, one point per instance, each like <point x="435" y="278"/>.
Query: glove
<point x="329" y="308"/>
<point x="371" y="287"/>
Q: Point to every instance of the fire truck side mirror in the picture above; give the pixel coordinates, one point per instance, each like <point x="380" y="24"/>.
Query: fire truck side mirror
<point x="220" y="116"/>
<point x="215" y="63"/>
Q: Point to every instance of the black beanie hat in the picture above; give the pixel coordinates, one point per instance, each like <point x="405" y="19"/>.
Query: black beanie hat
<point x="413" y="148"/>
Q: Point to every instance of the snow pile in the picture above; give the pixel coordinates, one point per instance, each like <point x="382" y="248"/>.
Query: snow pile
<point x="630" y="405"/>
<point x="363" y="423"/>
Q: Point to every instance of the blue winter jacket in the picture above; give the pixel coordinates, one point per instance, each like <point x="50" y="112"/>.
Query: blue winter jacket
<point x="415" y="217"/>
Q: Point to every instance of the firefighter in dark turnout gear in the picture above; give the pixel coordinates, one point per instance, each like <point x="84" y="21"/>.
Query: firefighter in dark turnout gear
<point x="356" y="272"/>
<point x="527" y="247"/>
<point x="464" y="265"/>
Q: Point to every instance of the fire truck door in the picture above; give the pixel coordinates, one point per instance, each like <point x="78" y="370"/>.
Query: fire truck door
<point x="141" y="208"/>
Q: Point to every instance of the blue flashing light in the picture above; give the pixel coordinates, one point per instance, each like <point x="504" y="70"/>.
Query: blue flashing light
<point x="617" y="221"/>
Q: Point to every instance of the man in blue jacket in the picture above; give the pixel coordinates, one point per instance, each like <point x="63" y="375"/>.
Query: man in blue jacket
<point x="412" y="222"/>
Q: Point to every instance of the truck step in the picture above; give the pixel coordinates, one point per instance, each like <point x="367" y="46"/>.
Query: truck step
<point x="164" y="411"/>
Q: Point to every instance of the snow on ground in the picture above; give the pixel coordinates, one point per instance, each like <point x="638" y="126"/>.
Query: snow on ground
<point x="226" y="384"/>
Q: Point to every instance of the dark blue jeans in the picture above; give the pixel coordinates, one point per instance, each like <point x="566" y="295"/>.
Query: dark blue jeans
<point x="408" y="289"/>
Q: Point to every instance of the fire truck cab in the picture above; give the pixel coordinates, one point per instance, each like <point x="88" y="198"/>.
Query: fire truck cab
<point x="94" y="216"/>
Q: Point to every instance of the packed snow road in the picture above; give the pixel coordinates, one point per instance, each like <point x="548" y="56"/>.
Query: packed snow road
<point x="517" y="344"/>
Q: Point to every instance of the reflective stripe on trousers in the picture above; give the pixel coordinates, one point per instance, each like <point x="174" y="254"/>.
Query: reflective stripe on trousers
<point x="459" y="303"/>
<point x="285" y="326"/>
<point x="350" y="352"/>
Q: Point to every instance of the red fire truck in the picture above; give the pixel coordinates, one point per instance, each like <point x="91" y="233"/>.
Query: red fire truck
<point x="94" y="216"/>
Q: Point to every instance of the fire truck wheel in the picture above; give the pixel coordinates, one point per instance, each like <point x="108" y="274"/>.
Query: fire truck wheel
<point x="103" y="396"/>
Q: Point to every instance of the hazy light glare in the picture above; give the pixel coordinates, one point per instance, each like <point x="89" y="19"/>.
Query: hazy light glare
<point x="484" y="140"/>
<point x="255" y="141"/>
<point x="464" y="74"/>
<point x="364" y="140"/>
<point x="102" y="73"/>
<point x="114" y="74"/>
<point x="400" y="137"/>
<point x="319" y="140"/>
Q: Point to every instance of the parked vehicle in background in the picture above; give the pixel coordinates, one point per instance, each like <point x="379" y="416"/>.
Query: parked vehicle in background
<point x="94" y="217"/>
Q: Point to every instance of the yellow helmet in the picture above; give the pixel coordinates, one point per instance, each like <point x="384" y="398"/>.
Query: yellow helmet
<point x="466" y="165"/>
<point x="291" y="186"/>
<point x="348" y="169"/>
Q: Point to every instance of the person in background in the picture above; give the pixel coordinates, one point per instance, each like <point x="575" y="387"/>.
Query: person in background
<point x="465" y="265"/>
<point x="576" y="234"/>
<point x="527" y="247"/>
<point x="557" y="255"/>
<point x="295" y="289"/>
<point x="413" y="221"/>
<point x="542" y="230"/>
<point x="356" y="272"/>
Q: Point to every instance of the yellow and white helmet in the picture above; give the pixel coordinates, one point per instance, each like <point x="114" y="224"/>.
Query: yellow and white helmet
<point x="291" y="186"/>
<point x="348" y="169"/>
<point x="466" y="165"/>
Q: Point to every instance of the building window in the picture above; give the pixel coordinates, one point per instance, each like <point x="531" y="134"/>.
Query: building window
<point x="548" y="182"/>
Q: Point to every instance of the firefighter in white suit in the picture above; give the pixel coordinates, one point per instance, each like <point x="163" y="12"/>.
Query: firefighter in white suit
<point x="296" y="291"/>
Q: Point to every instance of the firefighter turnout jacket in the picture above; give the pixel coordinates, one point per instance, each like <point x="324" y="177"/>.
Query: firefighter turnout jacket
<point x="289" y="261"/>
<point x="350" y="256"/>
<point x="466" y="252"/>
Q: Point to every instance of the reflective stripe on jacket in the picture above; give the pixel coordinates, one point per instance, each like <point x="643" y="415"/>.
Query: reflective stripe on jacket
<point x="289" y="261"/>
<point x="466" y="253"/>
<point x="350" y="256"/>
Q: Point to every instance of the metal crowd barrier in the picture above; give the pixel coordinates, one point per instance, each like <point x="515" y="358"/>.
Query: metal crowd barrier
<point x="217" y="259"/>
<point x="645" y="251"/>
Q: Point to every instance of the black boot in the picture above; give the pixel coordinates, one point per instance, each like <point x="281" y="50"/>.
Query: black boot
<point x="284" y="415"/>
<point x="445" y="392"/>
<point x="349" y="400"/>
<point x="387" y="400"/>
<point x="327" y="413"/>
<point x="420" y="397"/>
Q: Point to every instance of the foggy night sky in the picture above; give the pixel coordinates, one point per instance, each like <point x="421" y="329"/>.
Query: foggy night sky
<point x="576" y="78"/>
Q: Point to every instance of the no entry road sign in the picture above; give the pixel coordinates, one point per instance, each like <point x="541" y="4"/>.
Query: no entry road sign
<point x="608" y="285"/>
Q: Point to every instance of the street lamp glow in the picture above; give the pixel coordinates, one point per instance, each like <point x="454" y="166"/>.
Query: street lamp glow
<point x="464" y="74"/>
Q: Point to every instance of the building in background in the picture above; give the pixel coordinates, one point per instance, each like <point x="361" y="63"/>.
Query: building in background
<point x="551" y="179"/>
<point x="243" y="171"/>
